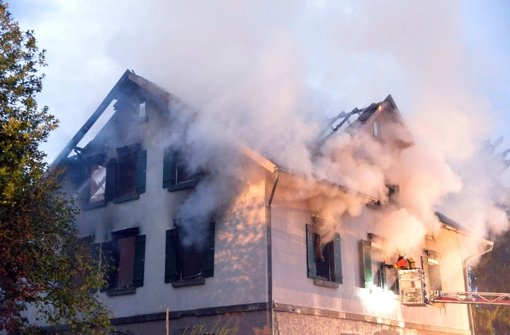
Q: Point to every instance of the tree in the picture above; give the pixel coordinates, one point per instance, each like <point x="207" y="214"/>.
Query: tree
<point x="492" y="275"/>
<point x="492" y="272"/>
<point x="43" y="267"/>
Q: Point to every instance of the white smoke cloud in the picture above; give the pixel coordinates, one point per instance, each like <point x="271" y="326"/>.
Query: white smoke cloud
<point x="270" y="74"/>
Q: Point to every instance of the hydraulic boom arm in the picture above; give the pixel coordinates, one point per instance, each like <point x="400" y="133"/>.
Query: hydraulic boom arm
<point x="482" y="298"/>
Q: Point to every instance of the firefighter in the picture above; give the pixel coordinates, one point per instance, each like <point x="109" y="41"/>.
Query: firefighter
<point x="404" y="263"/>
<point x="401" y="263"/>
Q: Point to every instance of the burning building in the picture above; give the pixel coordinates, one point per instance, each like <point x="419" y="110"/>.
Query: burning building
<point x="209" y="235"/>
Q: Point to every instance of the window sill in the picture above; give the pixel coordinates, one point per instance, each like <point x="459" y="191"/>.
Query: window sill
<point x="126" y="197"/>
<point x="189" y="282"/>
<point x="325" y="283"/>
<point x="121" y="291"/>
<point x="182" y="186"/>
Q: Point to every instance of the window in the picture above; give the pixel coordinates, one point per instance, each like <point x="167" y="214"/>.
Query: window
<point x="125" y="256"/>
<point x="97" y="183"/>
<point x="188" y="264"/>
<point x="130" y="173"/>
<point x="375" y="272"/>
<point x="376" y="130"/>
<point x="393" y="191"/>
<point x="99" y="180"/>
<point x="176" y="174"/>
<point x="88" y="175"/>
<point x="432" y="269"/>
<point x="323" y="257"/>
<point x="142" y="111"/>
<point x="94" y="189"/>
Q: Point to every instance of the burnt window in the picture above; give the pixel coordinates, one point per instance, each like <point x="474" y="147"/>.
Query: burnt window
<point x="324" y="261"/>
<point x="376" y="272"/>
<point x="97" y="183"/>
<point x="130" y="173"/>
<point x="189" y="263"/>
<point x="125" y="257"/>
<point x="176" y="173"/>
<point x="87" y="175"/>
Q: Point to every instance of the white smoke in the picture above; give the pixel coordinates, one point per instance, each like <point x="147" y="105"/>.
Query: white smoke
<point x="270" y="75"/>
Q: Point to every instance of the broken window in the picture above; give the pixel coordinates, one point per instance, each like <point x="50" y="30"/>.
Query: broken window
<point x="323" y="257"/>
<point x="432" y="269"/>
<point x="97" y="183"/>
<point x="125" y="256"/>
<point x="176" y="173"/>
<point x="188" y="262"/>
<point x="130" y="169"/>
<point x="93" y="184"/>
<point x="375" y="271"/>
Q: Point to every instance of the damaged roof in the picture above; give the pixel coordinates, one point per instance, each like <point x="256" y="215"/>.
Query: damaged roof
<point x="359" y="119"/>
<point x="128" y="84"/>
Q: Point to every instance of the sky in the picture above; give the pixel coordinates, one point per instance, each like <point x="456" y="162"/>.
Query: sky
<point x="446" y="63"/>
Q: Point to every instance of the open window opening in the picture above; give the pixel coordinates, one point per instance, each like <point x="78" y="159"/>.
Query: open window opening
<point x="323" y="257"/>
<point x="97" y="183"/>
<point x="375" y="270"/>
<point x="130" y="173"/>
<point x="98" y="180"/>
<point x="176" y="172"/>
<point x="89" y="174"/>
<point x="432" y="268"/>
<point x="188" y="264"/>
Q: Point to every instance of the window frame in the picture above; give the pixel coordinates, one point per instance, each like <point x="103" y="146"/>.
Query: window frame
<point x="335" y="276"/>
<point x="173" y="257"/>
<point x="172" y="159"/>
<point x="368" y="264"/>
<point x="110" y="255"/>
<point x="117" y="166"/>
<point x="87" y="163"/>
<point x="429" y="257"/>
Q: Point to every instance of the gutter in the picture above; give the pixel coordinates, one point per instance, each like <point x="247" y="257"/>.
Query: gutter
<point x="276" y="174"/>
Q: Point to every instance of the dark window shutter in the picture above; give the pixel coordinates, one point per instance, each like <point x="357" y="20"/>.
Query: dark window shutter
<point x="110" y="257"/>
<point x="138" y="269"/>
<point x="141" y="171"/>
<point x="207" y="268"/>
<point x="381" y="273"/>
<point x="171" y="247"/>
<point x="168" y="168"/>
<point x="111" y="179"/>
<point x="366" y="261"/>
<point x="310" y="252"/>
<point x="338" y="258"/>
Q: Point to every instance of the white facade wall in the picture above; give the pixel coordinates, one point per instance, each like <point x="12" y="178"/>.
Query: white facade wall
<point x="292" y="287"/>
<point x="240" y="273"/>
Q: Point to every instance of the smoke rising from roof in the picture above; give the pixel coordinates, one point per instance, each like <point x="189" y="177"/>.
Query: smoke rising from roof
<point x="270" y="75"/>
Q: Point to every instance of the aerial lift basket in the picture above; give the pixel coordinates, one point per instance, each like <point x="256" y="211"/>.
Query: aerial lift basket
<point x="411" y="287"/>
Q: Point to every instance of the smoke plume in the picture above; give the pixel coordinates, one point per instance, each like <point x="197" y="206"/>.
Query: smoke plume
<point x="271" y="75"/>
